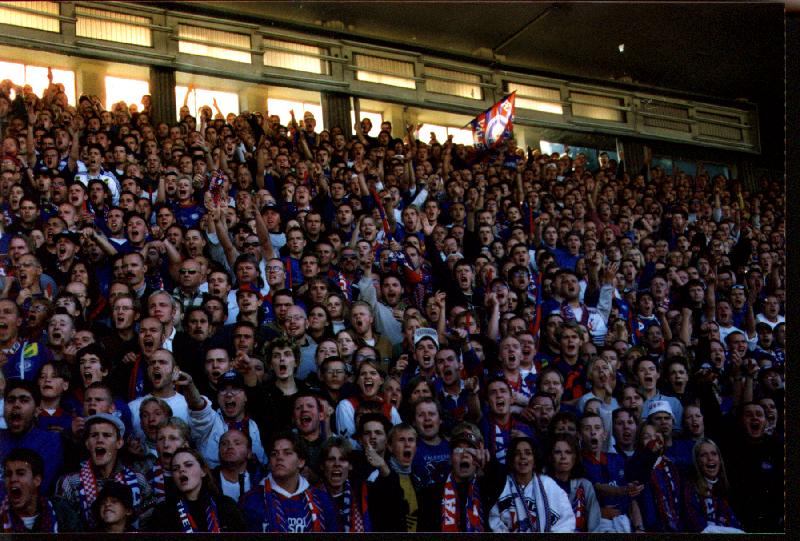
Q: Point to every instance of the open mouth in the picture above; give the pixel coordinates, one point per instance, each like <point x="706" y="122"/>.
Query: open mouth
<point x="100" y="452"/>
<point x="57" y="336"/>
<point x="594" y="442"/>
<point x="157" y="377"/>
<point x="183" y="479"/>
<point x="500" y="404"/>
<point x="407" y="454"/>
<point x="648" y="379"/>
<point x="149" y="343"/>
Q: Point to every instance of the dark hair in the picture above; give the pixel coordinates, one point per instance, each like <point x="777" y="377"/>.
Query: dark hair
<point x="371" y="417"/>
<point x="208" y="479"/>
<point x="27" y="385"/>
<point x="298" y="443"/>
<point x="577" y="470"/>
<point x="29" y="456"/>
<point x="513" y="447"/>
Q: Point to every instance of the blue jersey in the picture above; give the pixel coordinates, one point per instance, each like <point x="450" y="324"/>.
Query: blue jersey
<point x="26" y="359"/>
<point x="292" y="514"/>
<point x="609" y="469"/>
<point x="431" y="463"/>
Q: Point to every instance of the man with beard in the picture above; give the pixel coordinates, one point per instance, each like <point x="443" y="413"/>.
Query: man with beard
<point x="498" y="426"/>
<point x="25" y="509"/>
<point x="285" y="502"/>
<point x="19" y="358"/>
<point x="308" y="418"/>
<point x="20" y="410"/>
<point x="757" y="461"/>
<point x="103" y="438"/>
<point x="461" y="502"/>
<point x="238" y="472"/>
<point x="296" y="327"/>
<point x="161" y="374"/>
<point x="209" y="425"/>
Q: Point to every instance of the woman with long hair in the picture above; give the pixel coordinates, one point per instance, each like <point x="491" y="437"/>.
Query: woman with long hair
<point x="198" y="507"/>
<point x="530" y="501"/>
<point x="566" y="468"/>
<point x="369" y="380"/>
<point x="705" y="495"/>
<point x="348" y="497"/>
<point x="319" y="323"/>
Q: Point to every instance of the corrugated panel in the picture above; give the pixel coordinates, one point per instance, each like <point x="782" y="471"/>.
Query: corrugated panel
<point x="189" y="36"/>
<point x="95" y="24"/>
<point x="711" y="129"/>
<point x="464" y="85"/>
<point x="43" y="20"/>
<point x="297" y="60"/>
<point x="384" y="71"/>
<point x="666" y="110"/>
<point x="600" y="108"/>
<point x="537" y="98"/>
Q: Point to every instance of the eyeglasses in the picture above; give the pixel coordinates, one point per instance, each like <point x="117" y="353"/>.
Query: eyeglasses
<point x="188" y="271"/>
<point x="275" y="268"/>
<point x="231" y="392"/>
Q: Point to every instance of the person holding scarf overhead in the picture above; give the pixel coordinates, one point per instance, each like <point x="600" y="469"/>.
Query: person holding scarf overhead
<point x="285" y="502"/>
<point x="198" y="507"/>
<point x="530" y="501"/>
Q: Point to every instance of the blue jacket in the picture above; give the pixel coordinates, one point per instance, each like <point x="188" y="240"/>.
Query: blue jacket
<point x="44" y="442"/>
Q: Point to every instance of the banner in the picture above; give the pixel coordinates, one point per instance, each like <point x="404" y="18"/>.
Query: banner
<point x="494" y="125"/>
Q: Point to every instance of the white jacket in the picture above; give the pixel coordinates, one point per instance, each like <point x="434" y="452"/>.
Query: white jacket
<point x="208" y="426"/>
<point x="510" y="511"/>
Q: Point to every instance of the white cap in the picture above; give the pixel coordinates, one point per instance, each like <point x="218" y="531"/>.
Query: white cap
<point x="656" y="406"/>
<point x="426" y="332"/>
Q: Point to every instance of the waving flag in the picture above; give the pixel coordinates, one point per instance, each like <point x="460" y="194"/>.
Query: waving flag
<point x="494" y="125"/>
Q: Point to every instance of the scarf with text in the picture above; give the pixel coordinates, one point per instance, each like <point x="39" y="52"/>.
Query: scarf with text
<point x="155" y="477"/>
<point x="451" y="511"/>
<point x="188" y="523"/>
<point x="352" y="516"/>
<point x="275" y="516"/>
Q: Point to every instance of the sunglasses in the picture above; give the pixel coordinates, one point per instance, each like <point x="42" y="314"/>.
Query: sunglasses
<point x="188" y="271"/>
<point x="348" y="257"/>
<point x="254" y="244"/>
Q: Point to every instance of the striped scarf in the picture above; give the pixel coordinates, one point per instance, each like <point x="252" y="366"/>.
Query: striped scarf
<point x="190" y="526"/>
<point x="155" y="478"/>
<point x="451" y="511"/>
<point x="47" y="522"/>
<point x="275" y="516"/>
<point x="579" y="506"/>
<point x="352" y="518"/>
<point x="664" y="481"/>
<point x="89" y="490"/>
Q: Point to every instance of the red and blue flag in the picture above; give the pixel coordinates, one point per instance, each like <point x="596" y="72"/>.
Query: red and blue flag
<point x="494" y="125"/>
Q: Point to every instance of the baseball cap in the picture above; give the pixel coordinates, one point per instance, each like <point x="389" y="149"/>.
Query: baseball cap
<point x="273" y="206"/>
<point x="426" y="333"/>
<point x="656" y="406"/>
<point x="465" y="438"/>
<point x="116" y="490"/>
<point x="105" y="418"/>
<point x="70" y="236"/>
<point x="249" y="287"/>
<point x="231" y="377"/>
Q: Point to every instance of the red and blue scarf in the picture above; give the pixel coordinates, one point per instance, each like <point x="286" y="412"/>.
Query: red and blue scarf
<point x="451" y="511"/>
<point x="188" y="523"/>
<point x="47" y="522"/>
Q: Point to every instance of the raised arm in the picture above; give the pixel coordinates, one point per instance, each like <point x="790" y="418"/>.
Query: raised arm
<point x="263" y="233"/>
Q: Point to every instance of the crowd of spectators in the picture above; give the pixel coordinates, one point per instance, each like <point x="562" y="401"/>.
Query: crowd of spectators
<point x="239" y="323"/>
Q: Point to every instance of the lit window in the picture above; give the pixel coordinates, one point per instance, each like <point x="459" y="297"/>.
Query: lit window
<point x="453" y="83"/>
<point x="228" y="102"/>
<point x="127" y="90"/>
<point x="374" y="69"/>
<point x="537" y="98"/>
<point x="38" y="15"/>
<point x="212" y="43"/>
<point x="461" y="136"/>
<point x="295" y="56"/>
<point x="36" y="77"/>
<point x="375" y="118"/>
<point x="282" y="108"/>
<point x="112" y="26"/>
<point x="597" y="107"/>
